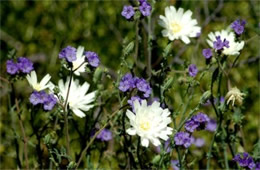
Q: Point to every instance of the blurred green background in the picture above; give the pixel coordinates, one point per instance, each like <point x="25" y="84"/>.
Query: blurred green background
<point x="40" y="29"/>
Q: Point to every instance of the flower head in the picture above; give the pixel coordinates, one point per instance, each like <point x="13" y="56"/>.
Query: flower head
<point x="105" y="135"/>
<point x="175" y="164"/>
<point x="49" y="102"/>
<point x="24" y="64"/>
<point x="79" y="64"/>
<point x="245" y="161"/>
<point x="145" y="8"/>
<point x="178" y="24"/>
<point x="131" y="101"/>
<point x="235" y="96"/>
<point x="196" y="122"/>
<point x="128" y="11"/>
<point x="238" y="26"/>
<point x="69" y="53"/>
<point x="43" y="84"/>
<point x="149" y="122"/>
<point x="183" y="139"/>
<point x="38" y="97"/>
<point x="126" y="82"/>
<point x="225" y="41"/>
<point x="191" y="125"/>
<point x="211" y="125"/>
<point x="199" y="142"/>
<point x="193" y="70"/>
<point x="92" y="58"/>
<point x="207" y="53"/>
<point x="78" y="100"/>
<point x="11" y="67"/>
<point x="143" y="86"/>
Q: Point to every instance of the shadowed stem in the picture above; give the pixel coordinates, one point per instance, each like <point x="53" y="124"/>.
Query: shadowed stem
<point x="138" y="153"/>
<point x="95" y="135"/>
<point x="25" y="139"/>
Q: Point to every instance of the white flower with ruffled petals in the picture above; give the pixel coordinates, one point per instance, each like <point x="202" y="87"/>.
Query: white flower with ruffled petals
<point x="77" y="64"/>
<point x="42" y="85"/>
<point x="149" y="122"/>
<point x="234" y="47"/>
<point x="179" y="24"/>
<point x="78" y="99"/>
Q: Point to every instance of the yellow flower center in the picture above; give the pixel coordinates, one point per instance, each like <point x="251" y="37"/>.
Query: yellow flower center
<point x="145" y="125"/>
<point x="175" y="27"/>
<point x="37" y="87"/>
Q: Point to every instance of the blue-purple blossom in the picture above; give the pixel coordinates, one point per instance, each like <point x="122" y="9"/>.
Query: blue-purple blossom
<point x="211" y="125"/>
<point x="175" y="164"/>
<point x="198" y="34"/>
<point x="92" y="58"/>
<point x="105" y="135"/>
<point x="69" y="53"/>
<point x="38" y="97"/>
<point x="128" y="11"/>
<point x="257" y="166"/>
<point x="238" y="26"/>
<point x="218" y="44"/>
<point x="207" y="53"/>
<point x="193" y="70"/>
<point x="126" y="82"/>
<point x="49" y="102"/>
<point x="143" y="86"/>
<point x="24" y="64"/>
<point x="11" y="67"/>
<point x="201" y="118"/>
<point x="199" y="142"/>
<point x="196" y="122"/>
<point x="131" y="101"/>
<point x="191" y="125"/>
<point x="145" y="9"/>
<point x="183" y="139"/>
<point x="245" y="161"/>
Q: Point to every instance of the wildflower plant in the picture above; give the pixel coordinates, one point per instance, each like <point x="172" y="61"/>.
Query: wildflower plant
<point x="166" y="87"/>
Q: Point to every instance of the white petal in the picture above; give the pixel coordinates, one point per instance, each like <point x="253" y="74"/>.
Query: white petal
<point x="131" y="131"/>
<point x="79" y="113"/>
<point x="185" y="39"/>
<point x="130" y="115"/>
<point x="145" y="142"/>
<point x="80" y="51"/>
<point x="45" y="80"/>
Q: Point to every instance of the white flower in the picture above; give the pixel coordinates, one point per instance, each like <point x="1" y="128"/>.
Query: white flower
<point x="44" y="83"/>
<point x="149" y="122"/>
<point x="178" y="24"/>
<point x="78" y="100"/>
<point x="234" y="47"/>
<point x="80" y="59"/>
<point x="235" y="96"/>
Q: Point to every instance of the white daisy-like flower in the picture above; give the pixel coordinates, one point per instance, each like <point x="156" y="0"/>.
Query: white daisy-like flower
<point x="235" y="96"/>
<point x="234" y="47"/>
<point x="78" y="98"/>
<point x="42" y="85"/>
<point x="80" y="59"/>
<point x="149" y="122"/>
<point x="179" y="24"/>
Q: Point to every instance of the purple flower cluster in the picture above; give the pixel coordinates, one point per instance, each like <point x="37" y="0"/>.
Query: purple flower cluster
<point x="129" y="11"/>
<point x="131" y="101"/>
<point x="197" y="122"/>
<point x="175" y="164"/>
<point x="69" y="53"/>
<point x="105" y="135"/>
<point x="183" y="139"/>
<point x="245" y="161"/>
<point x="207" y="53"/>
<point x="92" y="58"/>
<point x="23" y="65"/>
<point x="238" y="26"/>
<point x="193" y="70"/>
<point x="219" y="44"/>
<point x="128" y="82"/>
<point x="41" y="97"/>
<point x="211" y="125"/>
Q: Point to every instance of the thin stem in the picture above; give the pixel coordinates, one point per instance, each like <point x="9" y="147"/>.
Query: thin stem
<point x="136" y="41"/>
<point x="138" y="153"/>
<point x="95" y="135"/>
<point x="179" y="157"/>
<point x="25" y="139"/>
<point x="78" y="67"/>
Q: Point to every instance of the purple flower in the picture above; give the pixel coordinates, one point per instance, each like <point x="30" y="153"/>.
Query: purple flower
<point x="191" y="125"/>
<point x="38" y="97"/>
<point x="201" y="118"/>
<point x="126" y="83"/>
<point x="49" y="102"/>
<point x="11" y="67"/>
<point x="207" y="53"/>
<point x="128" y="11"/>
<point x="218" y="44"/>
<point x="92" y="58"/>
<point x="105" y="135"/>
<point x="183" y="138"/>
<point x="198" y="34"/>
<point x="193" y="70"/>
<point x="145" y="9"/>
<point x="211" y="125"/>
<point x="238" y="26"/>
<point x="245" y="161"/>
<point x="226" y="43"/>
<point x="24" y="64"/>
<point x="257" y="166"/>
<point x="68" y="53"/>
<point x="143" y="86"/>
<point x="175" y="164"/>
<point x="199" y="142"/>
<point x="142" y="1"/>
<point x="131" y="101"/>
